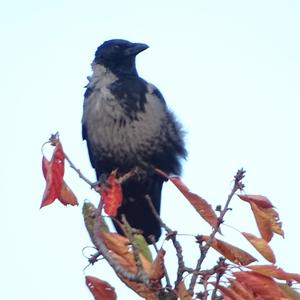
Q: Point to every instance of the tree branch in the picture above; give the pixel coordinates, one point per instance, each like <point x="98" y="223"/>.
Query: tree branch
<point x="91" y="184"/>
<point x="170" y="235"/>
<point x="238" y="185"/>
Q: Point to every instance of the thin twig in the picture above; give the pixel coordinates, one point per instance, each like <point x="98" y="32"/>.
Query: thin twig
<point x="214" y="293"/>
<point x="238" y="185"/>
<point x="171" y="235"/>
<point x="168" y="282"/>
<point x="91" y="184"/>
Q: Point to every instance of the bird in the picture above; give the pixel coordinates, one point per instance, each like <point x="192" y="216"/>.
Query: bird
<point x="127" y="125"/>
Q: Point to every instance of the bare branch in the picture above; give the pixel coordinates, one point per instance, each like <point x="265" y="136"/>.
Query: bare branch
<point x="168" y="282"/>
<point x="91" y="184"/>
<point x="170" y="235"/>
<point x="238" y="185"/>
<point x="220" y="269"/>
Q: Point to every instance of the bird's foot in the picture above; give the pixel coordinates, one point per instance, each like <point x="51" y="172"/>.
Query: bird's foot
<point x="102" y="181"/>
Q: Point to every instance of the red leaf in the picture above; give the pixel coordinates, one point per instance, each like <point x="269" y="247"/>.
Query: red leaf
<point x="261" y="285"/>
<point x="259" y="200"/>
<point x="229" y="292"/>
<point x="231" y="252"/>
<point x="241" y="289"/>
<point x="157" y="270"/>
<point x="66" y="196"/>
<point x="54" y="175"/>
<point x="100" y="289"/>
<point x="111" y="194"/>
<point x="200" y="204"/>
<point x="276" y="272"/>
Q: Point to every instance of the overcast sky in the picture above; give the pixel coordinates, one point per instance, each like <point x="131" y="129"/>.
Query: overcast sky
<point x="228" y="69"/>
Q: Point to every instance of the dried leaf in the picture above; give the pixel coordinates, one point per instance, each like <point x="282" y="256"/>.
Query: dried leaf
<point x="67" y="196"/>
<point x="267" y="221"/>
<point x="202" y="207"/>
<point x="128" y="263"/>
<point x="157" y="270"/>
<point x="234" y="254"/>
<point x="241" y="289"/>
<point x="111" y="194"/>
<point x="261" y="246"/>
<point x="115" y="242"/>
<point x="140" y="289"/>
<point x="260" y="201"/>
<point x="276" y="272"/>
<point x="100" y="289"/>
<point x="118" y="244"/>
<point x="53" y="172"/>
<point x="123" y="255"/>
<point x="291" y="293"/>
<point x="229" y="292"/>
<point x="261" y="285"/>
<point x="182" y="292"/>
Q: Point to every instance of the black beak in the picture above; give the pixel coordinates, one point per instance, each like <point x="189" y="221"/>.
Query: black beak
<point x="135" y="49"/>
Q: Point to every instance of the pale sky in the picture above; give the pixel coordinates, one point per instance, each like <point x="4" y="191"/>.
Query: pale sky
<point x="230" y="70"/>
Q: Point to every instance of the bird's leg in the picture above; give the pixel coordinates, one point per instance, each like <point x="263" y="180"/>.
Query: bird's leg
<point x="144" y="171"/>
<point x="101" y="181"/>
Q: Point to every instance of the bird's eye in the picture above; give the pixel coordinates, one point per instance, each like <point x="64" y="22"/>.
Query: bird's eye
<point x="116" y="47"/>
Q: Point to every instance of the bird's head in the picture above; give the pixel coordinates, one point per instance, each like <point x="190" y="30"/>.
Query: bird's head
<point x="119" y="55"/>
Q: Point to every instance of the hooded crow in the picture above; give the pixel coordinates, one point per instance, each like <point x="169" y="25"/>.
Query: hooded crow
<point x="127" y="125"/>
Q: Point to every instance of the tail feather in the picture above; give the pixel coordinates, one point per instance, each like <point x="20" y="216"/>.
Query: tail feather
<point x="136" y="209"/>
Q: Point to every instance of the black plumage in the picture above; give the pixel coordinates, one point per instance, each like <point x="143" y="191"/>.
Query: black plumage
<point x="127" y="125"/>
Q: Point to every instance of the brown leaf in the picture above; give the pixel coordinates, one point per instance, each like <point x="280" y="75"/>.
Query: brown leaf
<point x="261" y="246"/>
<point x="291" y="293"/>
<point x="123" y="255"/>
<point x="118" y="245"/>
<point x="261" y="285"/>
<point x="267" y="221"/>
<point x="259" y="200"/>
<point x="182" y="292"/>
<point x="140" y="289"/>
<point x="276" y="272"/>
<point x="115" y="242"/>
<point x="229" y="292"/>
<point x="157" y="270"/>
<point x="241" y="289"/>
<point x="234" y="254"/>
<point x="202" y="207"/>
<point x="100" y="289"/>
<point x="67" y="196"/>
<point x="128" y="263"/>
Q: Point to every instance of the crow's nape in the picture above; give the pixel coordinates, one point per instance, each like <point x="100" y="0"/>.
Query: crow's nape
<point x="136" y="209"/>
